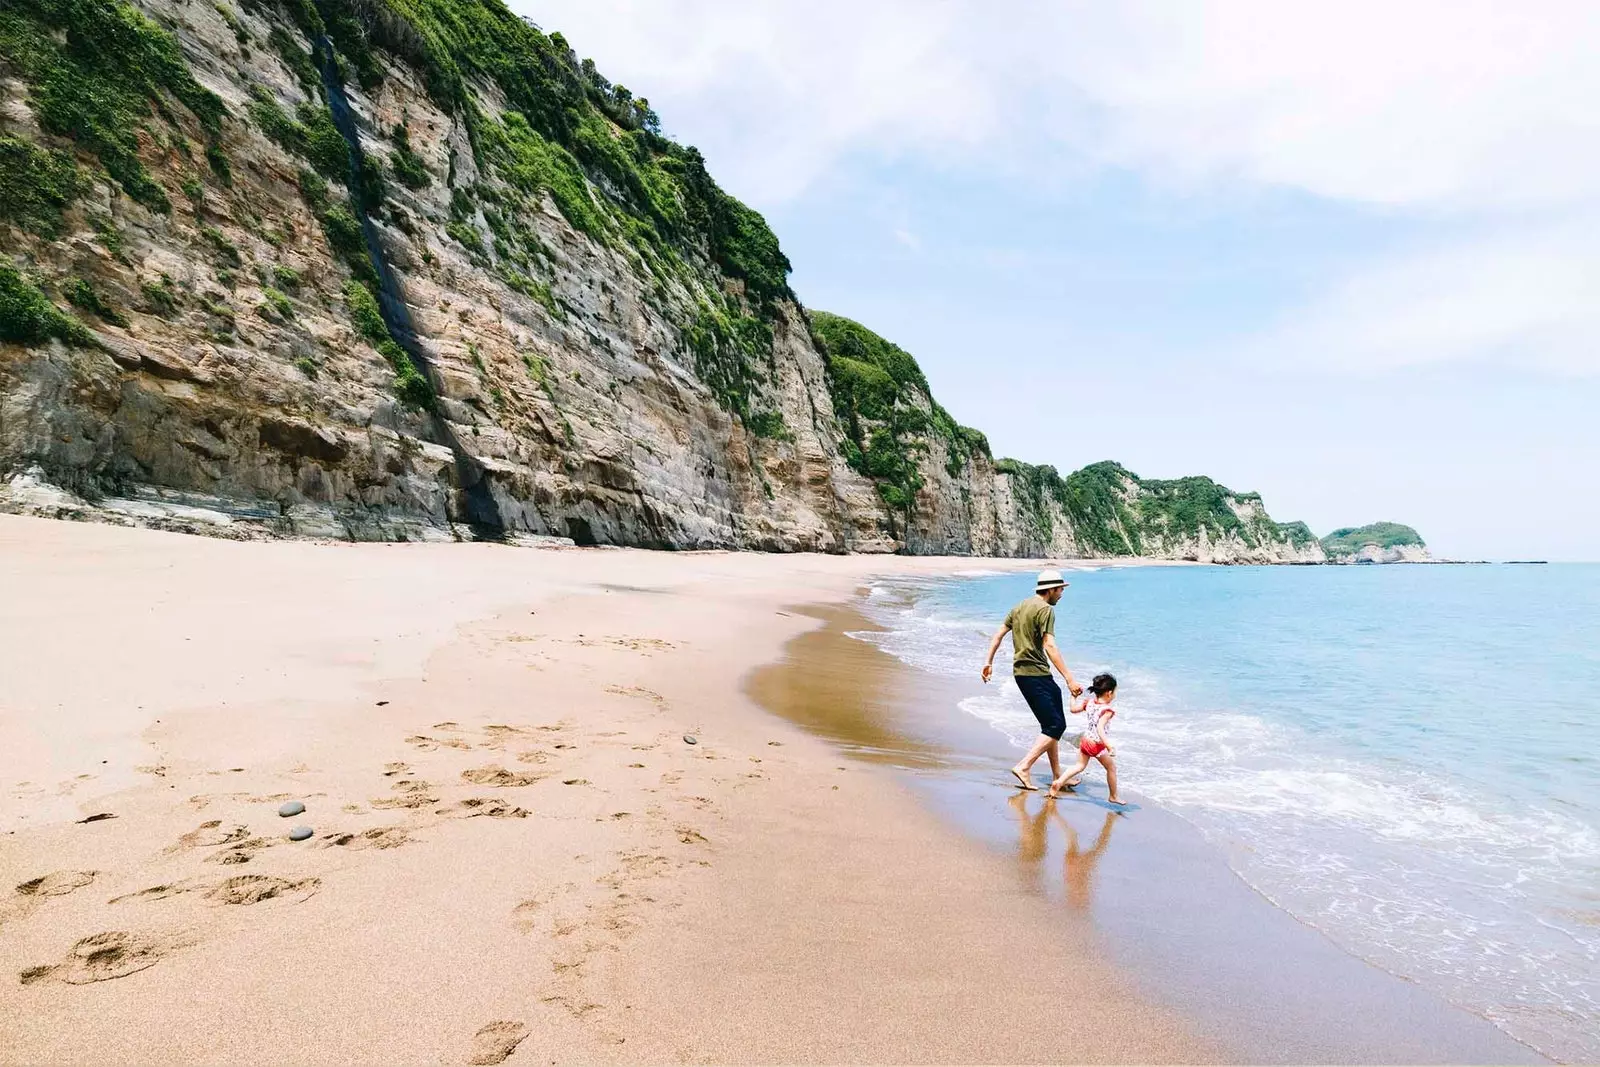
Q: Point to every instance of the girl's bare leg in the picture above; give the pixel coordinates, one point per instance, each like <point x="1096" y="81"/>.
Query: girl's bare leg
<point x="1062" y="781"/>
<point x="1111" y="778"/>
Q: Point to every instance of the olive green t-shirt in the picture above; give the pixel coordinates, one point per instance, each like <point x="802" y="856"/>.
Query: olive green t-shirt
<point x="1029" y="622"/>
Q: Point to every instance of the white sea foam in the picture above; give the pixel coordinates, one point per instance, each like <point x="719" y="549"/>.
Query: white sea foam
<point x="1424" y="875"/>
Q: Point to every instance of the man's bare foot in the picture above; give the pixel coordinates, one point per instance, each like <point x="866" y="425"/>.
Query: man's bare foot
<point x="1022" y="779"/>
<point x="1114" y="800"/>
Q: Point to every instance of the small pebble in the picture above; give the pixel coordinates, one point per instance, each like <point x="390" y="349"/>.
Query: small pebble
<point x="689" y="739"/>
<point x="299" y="833"/>
<point x="291" y="807"/>
<point x="98" y="816"/>
<point x="381" y="703"/>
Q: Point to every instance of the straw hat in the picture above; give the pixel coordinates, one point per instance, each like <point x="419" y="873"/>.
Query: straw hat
<point x="1050" y="579"/>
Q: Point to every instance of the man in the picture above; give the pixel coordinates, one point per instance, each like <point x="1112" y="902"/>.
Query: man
<point x="1032" y="626"/>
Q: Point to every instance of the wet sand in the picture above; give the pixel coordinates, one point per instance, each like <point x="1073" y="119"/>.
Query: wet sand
<point x="1141" y="892"/>
<point x="517" y="852"/>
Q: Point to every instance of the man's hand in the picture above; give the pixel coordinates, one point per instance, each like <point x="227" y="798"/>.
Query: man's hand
<point x="1075" y="689"/>
<point x="988" y="669"/>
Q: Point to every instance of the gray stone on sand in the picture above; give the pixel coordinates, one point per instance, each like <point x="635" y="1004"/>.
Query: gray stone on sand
<point x="690" y="739"/>
<point x="299" y="833"/>
<point x="291" y="807"/>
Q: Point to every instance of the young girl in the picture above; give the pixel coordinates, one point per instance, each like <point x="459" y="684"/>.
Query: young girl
<point x="1095" y="742"/>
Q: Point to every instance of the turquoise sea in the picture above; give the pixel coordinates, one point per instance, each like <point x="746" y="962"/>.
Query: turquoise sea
<point x="1406" y="758"/>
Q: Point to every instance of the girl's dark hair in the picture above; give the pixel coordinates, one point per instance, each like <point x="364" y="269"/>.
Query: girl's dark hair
<point x="1103" y="684"/>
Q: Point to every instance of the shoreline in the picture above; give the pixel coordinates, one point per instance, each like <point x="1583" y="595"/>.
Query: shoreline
<point x="1171" y="914"/>
<point x="517" y="851"/>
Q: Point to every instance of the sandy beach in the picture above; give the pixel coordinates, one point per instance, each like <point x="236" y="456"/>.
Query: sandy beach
<point x="517" y="852"/>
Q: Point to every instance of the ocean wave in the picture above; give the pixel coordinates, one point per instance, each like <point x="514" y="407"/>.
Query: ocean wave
<point x="1429" y="876"/>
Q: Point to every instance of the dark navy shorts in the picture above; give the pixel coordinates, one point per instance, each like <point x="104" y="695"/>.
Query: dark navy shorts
<point x="1044" y="697"/>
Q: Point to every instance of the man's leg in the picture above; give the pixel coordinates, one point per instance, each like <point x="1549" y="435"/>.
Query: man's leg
<point x="1039" y="748"/>
<point x="1054" y="752"/>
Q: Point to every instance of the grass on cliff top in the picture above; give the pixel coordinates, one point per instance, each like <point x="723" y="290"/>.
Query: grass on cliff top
<point x="879" y="393"/>
<point x="1352" y="539"/>
<point x="1115" y="512"/>
<point x="595" y="146"/>
<point x="98" y="71"/>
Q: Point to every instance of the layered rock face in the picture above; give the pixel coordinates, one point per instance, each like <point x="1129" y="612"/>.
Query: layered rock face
<point x="330" y="271"/>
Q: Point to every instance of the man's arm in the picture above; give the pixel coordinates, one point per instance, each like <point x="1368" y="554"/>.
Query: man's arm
<point x="994" y="646"/>
<point x="1054" y="653"/>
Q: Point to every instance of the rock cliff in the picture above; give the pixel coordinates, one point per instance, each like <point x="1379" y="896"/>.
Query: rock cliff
<point x="1378" y="542"/>
<point x="391" y="269"/>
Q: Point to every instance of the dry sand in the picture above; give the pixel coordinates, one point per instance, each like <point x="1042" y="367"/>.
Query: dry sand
<point x="517" y="855"/>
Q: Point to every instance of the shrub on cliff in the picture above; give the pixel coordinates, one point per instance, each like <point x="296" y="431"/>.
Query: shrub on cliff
<point x="98" y="70"/>
<point x="27" y="317"/>
<point x="36" y="185"/>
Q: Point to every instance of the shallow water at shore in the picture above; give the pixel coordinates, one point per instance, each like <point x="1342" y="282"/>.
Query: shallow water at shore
<point x="1342" y="734"/>
<point x="1164" y="898"/>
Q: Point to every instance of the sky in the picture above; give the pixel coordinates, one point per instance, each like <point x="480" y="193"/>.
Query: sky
<point x="1347" y="256"/>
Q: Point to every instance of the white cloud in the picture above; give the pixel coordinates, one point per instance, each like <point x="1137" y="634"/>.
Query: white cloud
<point x="1481" y="116"/>
<point x="1527" y="298"/>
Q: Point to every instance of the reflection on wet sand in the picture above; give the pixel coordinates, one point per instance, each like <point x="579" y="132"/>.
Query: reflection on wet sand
<point x="849" y="692"/>
<point x="1033" y="844"/>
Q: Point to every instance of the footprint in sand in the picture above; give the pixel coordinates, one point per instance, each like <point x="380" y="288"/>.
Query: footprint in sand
<point x="431" y="744"/>
<point x="498" y="735"/>
<point x="241" y="851"/>
<point x="392" y="769"/>
<point x="490" y="806"/>
<point x="240" y="889"/>
<point x="413" y="794"/>
<point x="155" y="892"/>
<point x="55" y="884"/>
<point x="254" y="888"/>
<point x="408" y="801"/>
<point x="377" y="837"/>
<point x="99" y="958"/>
<point x="495" y="1041"/>
<point x="532" y="756"/>
<point x="496" y="775"/>
<point x="209" y="834"/>
<point x="641" y="692"/>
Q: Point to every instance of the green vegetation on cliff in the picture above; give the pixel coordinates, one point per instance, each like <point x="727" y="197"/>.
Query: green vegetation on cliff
<point x="592" y="145"/>
<point x="1350" y="540"/>
<point x="1114" y="512"/>
<point x="36" y="186"/>
<point x="98" y="71"/>
<point x="890" y="418"/>
<point x="27" y="317"/>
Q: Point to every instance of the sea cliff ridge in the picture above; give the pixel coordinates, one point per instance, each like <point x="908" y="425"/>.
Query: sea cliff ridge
<point x="411" y="269"/>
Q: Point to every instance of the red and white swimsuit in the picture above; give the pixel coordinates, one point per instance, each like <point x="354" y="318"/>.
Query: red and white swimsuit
<point x="1094" y="741"/>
